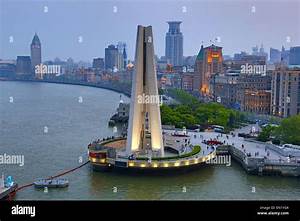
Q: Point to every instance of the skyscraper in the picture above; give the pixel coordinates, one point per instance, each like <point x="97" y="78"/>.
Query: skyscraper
<point x="111" y="57"/>
<point x="144" y="127"/>
<point x="174" y="44"/>
<point x="285" y="55"/>
<point x="121" y="47"/>
<point x="209" y="61"/>
<point x="125" y="57"/>
<point x="36" y="54"/>
<point x="275" y="55"/>
<point x="294" y="56"/>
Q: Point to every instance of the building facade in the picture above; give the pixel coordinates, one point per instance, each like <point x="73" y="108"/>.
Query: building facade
<point x="257" y="101"/>
<point x="285" y="97"/>
<point x="294" y="58"/>
<point x="224" y="88"/>
<point x="275" y="55"/>
<point x="209" y="61"/>
<point x="174" y="44"/>
<point x="254" y="88"/>
<point x="36" y="52"/>
<point x="23" y="66"/>
<point x="98" y="63"/>
<point x="111" y="57"/>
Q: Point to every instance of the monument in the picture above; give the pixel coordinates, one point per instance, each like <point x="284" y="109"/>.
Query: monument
<point x="143" y="147"/>
<point x="144" y="125"/>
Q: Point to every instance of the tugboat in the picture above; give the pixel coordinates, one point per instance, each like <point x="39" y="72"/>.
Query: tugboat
<point x="7" y="187"/>
<point x="51" y="183"/>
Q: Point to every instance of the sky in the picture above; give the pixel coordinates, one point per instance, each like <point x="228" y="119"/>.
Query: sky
<point x="81" y="29"/>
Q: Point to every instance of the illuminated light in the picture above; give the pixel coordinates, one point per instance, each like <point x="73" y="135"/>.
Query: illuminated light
<point x="209" y="59"/>
<point x="196" y="161"/>
<point x="187" y="163"/>
<point x="131" y="164"/>
<point x="155" y="165"/>
<point x="93" y="160"/>
<point x="142" y="165"/>
<point x="102" y="160"/>
<point x="166" y="164"/>
<point x="176" y="164"/>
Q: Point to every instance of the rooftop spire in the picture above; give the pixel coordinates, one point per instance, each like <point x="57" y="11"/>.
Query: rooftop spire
<point x="35" y="39"/>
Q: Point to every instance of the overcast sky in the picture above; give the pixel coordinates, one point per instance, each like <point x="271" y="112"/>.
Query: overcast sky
<point x="98" y="23"/>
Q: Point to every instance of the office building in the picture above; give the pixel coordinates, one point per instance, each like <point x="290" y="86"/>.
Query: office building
<point x="174" y="44"/>
<point x="285" y="97"/>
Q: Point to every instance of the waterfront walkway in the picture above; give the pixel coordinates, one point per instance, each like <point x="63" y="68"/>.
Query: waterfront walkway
<point x="250" y="148"/>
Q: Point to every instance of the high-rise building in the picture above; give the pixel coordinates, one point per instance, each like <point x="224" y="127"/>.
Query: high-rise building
<point x="23" y="65"/>
<point x="209" y="61"/>
<point x="111" y="57"/>
<point x="174" y="44"/>
<point x="275" y="55"/>
<point x="121" y="56"/>
<point x="285" y="97"/>
<point x="36" y="54"/>
<point x="125" y="58"/>
<point x="294" y="58"/>
<point x="285" y="55"/>
<point x="144" y="126"/>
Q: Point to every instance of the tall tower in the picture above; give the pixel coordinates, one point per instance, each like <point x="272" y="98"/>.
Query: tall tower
<point x="174" y="44"/>
<point x="36" y="54"/>
<point x="209" y="61"/>
<point x="144" y="129"/>
<point x="111" y="57"/>
<point x="124" y="56"/>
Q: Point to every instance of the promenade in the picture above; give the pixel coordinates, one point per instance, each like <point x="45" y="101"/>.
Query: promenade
<point x="250" y="148"/>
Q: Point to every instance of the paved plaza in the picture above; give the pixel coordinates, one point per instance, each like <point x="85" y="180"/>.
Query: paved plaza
<point x="256" y="149"/>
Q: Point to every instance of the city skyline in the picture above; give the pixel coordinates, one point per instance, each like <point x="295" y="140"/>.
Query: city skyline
<point x="88" y="39"/>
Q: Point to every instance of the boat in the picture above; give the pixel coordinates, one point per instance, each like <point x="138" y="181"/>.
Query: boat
<point x="7" y="187"/>
<point x="51" y="183"/>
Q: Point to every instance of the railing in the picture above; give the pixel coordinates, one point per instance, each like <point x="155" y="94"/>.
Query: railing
<point x="281" y="163"/>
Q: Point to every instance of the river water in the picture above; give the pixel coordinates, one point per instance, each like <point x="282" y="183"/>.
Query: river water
<point x="51" y="125"/>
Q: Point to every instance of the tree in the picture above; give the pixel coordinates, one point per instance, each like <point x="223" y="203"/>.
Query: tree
<point x="265" y="134"/>
<point x="289" y="130"/>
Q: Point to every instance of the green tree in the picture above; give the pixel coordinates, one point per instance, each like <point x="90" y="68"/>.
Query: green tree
<point x="289" y="130"/>
<point x="265" y="134"/>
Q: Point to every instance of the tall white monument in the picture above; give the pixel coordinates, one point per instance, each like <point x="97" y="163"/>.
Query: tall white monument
<point x="144" y="129"/>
